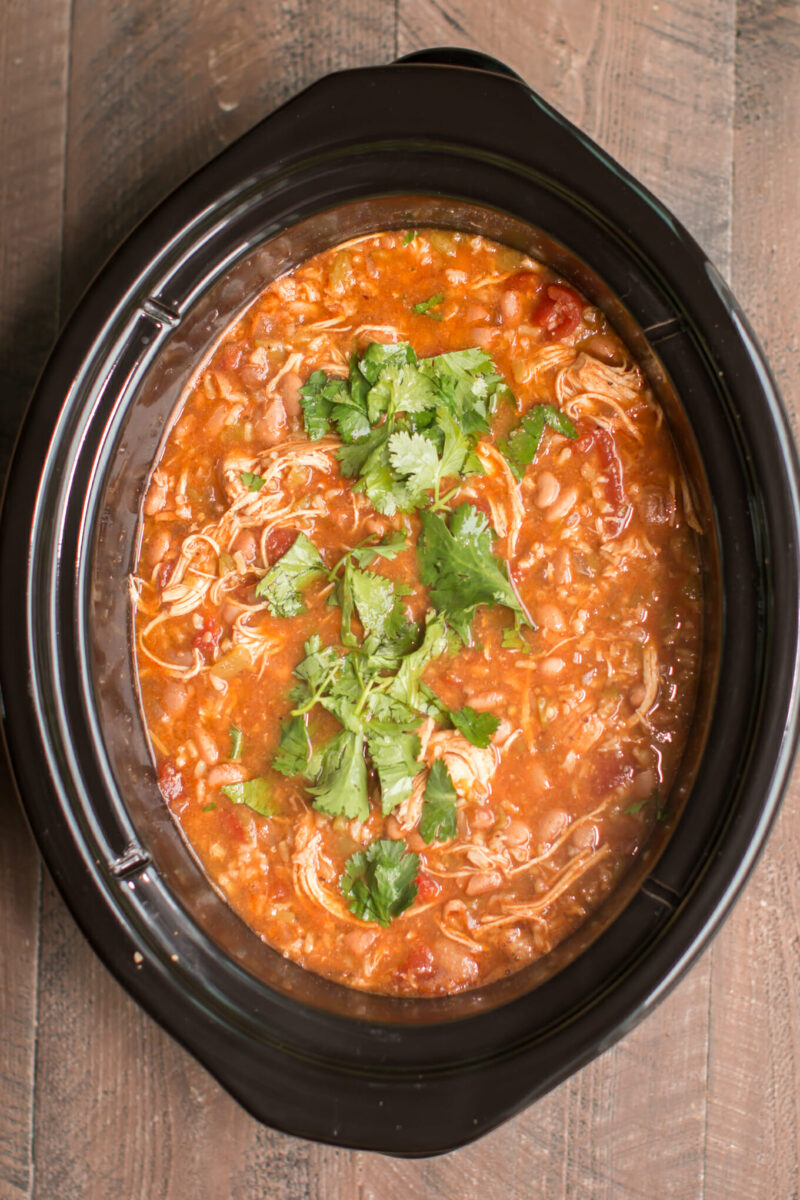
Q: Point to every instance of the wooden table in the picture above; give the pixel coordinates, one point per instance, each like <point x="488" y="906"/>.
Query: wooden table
<point x="104" y="106"/>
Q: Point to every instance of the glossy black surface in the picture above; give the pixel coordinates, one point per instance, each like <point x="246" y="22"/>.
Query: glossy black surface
<point x="455" y="145"/>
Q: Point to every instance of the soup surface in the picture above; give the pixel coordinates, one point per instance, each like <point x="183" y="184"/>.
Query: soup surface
<point x="418" y="612"/>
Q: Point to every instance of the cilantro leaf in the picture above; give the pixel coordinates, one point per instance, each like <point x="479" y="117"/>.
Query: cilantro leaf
<point x="253" y="483"/>
<point x="380" y="882"/>
<point x="315" y="671"/>
<point x="477" y="727"/>
<point x="406" y="687"/>
<point x="523" y="443"/>
<point x="457" y="566"/>
<point x="389" y="547"/>
<point x="439" y="820"/>
<point x="424" y="307"/>
<point x="235" y="735"/>
<point x="394" y="756"/>
<point x="414" y="456"/>
<point x="380" y="354"/>
<point x="283" y="583"/>
<point x="294" y="750"/>
<point x="254" y="793"/>
<point x="412" y="233"/>
<point x="341" y="789"/>
<point x="376" y="599"/>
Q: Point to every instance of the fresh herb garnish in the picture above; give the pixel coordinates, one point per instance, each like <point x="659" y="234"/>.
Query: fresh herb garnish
<point x="283" y="584"/>
<point x="295" y="749"/>
<point x="477" y="727"/>
<point x="209" y="807"/>
<point x="341" y="790"/>
<point x="237" y="739"/>
<point x="253" y="483"/>
<point x="457" y="566"/>
<point x="412" y="233"/>
<point x="424" y="307"/>
<point x="375" y="691"/>
<point x="395" y="758"/>
<point x="254" y="793"/>
<point x="380" y="882"/>
<point x="655" y="796"/>
<point x="406" y="423"/>
<point x="523" y="443"/>
<point x="439" y="812"/>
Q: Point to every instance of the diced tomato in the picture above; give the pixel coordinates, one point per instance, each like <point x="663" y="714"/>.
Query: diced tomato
<point x="170" y="781"/>
<point x="427" y="887"/>
<point x="206" y="640"/>
<point x="559" y="311"/>
<point x="609" y="457"/>
<point x="279" y="888"/>
<point x="420" y="964"/>
<point x="230" y="825"/>
<point x="527" y="283"/>
<point x="278" y="542"/>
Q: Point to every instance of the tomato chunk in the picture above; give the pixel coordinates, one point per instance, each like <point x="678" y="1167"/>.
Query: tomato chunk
<point x="419" y="965"/>
<point x="528" y="283"/>
<point x="559" y="311"/>
<point x="206" y="640"/>
<point x="170" y="781"/>
<point x="427" y="887"/>
<point x="278" y="542"/>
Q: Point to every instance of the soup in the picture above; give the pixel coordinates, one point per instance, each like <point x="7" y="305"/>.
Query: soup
<point x="418" y="612"/>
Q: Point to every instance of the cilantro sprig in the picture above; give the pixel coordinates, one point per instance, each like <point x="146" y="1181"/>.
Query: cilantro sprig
<point x="439" y="820"/>
<point x="380" y="882"/>
<point x="523" y="444"/>
<point x="458" y="567"/>
<point x="406" y="424"/>
<point x="425" y="306"/>
<point x="283" y="584"/>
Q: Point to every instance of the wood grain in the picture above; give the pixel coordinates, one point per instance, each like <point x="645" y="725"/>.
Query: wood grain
<point x="702" y="1099"/>
<point x="33" y="78"/>
<point x="633" y="1122"/>
<point x="753" y="1148"/>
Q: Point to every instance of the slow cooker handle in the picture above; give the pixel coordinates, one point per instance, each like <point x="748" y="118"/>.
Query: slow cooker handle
<point x="458" y="56"/>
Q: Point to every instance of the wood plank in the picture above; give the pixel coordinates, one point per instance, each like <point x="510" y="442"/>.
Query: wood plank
<point x="754" y="1111"/>
<point x="120" y="1108"/>
<point x="635" y="76"/>
<point x="33" y="74"/>
<point x="158" y="90"/>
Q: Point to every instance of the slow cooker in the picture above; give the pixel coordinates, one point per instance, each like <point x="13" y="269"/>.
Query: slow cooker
<point x="446" y="138"/>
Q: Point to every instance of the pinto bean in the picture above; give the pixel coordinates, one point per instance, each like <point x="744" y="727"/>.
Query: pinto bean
<point x="206" y="745"/>
<point x="604" y="348"/>
<point x="485" y="881"/>
<point x="226" y="773"/>
<point x="157" y="495"/>
<point x="552" y="824"/>
<point x="483" y="336"/>
<point x="159" y="545"/>
<point x="481" y="818"/>
<point x="290" y="390"/>
<point x="454" y="961"/>
<point x="586" y="836"/>
<point x="551" y="666"/>
<point x="477" y="312"/>
<point x="516" y="833"/>
<point x="545" y="489"/>
<point x="551" y="617"/>
<point x="358" y="941"/>
<point x="175" y="697"/>
<point x="644" y="784"/>
<point x="511" y="307"/>
<point x="245" y="543"/>
<point x="563" y="505"/>
<point x="272" y="426"/>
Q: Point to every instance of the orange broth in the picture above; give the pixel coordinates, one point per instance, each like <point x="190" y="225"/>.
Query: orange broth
<point x="593" y="704"/>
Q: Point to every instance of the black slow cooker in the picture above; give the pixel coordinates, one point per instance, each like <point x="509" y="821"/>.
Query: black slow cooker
<point x="451" y="139"/>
